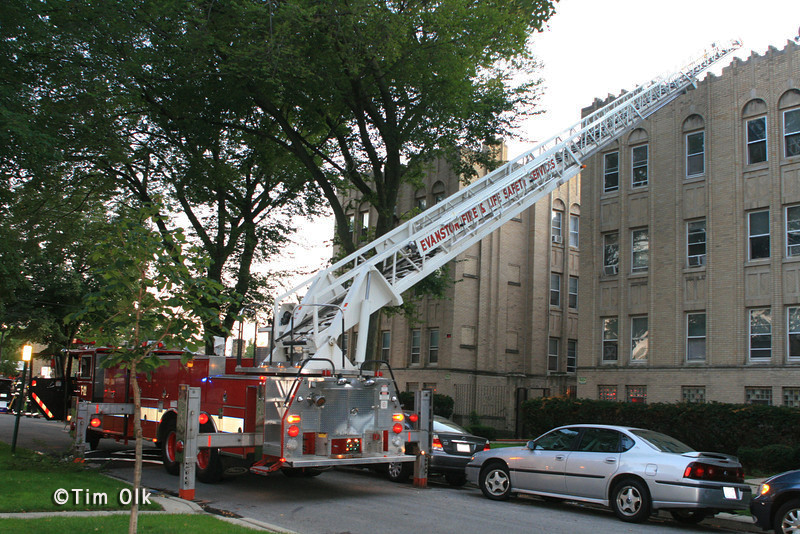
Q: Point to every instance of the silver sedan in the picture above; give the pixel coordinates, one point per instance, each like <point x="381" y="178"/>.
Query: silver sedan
<point x="633" y="471"/>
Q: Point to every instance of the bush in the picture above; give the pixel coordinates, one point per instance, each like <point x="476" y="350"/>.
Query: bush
<point x="717" y="427"/>
<point x="483" y="431"/>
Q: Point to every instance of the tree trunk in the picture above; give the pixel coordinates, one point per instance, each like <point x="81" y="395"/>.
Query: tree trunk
<point x="133" y="525"/>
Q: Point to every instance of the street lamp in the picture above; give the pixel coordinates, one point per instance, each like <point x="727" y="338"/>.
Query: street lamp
<point x="27" y="350"/>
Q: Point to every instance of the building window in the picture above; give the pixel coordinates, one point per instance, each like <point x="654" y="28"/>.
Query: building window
<point x="386" y="344"/>
<point x="552" y="354"/>
<point x="611" y="172"/>
<point x="363" y="224"/>
<point x="639" y="166"/>
<point x="758" y="396"/>
<point x="791" y="132"/>
<point x="756" y="140"/>
<point x="793" y="332"/>
<point x="556" y="226"/>
<point x="758" y="232"/>
<point x="695" y="154"/>
<point x="572" y="355"/>
<point x="573" y="292"/>
<point x="438" y="192"/>
<point x="610" y="339"/>
<point x="696" y="243"/>
<point x="555" y="289"/>
<point x="639" y="341"/>
<point x="610" y="253"/>
<point x="760" y="334"/>
<point x="640" y="250"/>
<point x="636" y="393"/>
<point x="791" y="397"/>
<point x="574" y="228"/>
<point x="433" y="345"/>
<point x="412" y="386"/>
<point x="793" y="231"/>
<point x="695" y="337"/>
<point x="693" y="394"/>
<point x="608" y="393"/>
<point x="429" y="385"/>
<point x="421" y="200"/>
<point x="416" y="345"/>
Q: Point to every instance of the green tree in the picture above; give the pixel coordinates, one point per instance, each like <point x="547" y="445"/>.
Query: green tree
<point x="146" y="297"/>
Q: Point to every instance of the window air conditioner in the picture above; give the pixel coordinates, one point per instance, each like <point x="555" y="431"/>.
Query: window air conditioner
<point x="610" y="269"/>
<point x="697" y="261"/>
<point x="557" y="239"/>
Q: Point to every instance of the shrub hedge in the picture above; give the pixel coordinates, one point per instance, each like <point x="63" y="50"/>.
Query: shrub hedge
<point x="749" y="430"/>
<point x="442" y="404"/>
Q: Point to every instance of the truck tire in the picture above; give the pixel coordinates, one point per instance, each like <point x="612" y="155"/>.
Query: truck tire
<point x="209" y="462"/>
<point x="93" y="439"/>
<point x="168" y="447"/>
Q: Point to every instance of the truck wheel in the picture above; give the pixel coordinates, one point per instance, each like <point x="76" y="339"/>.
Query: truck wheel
<point x="630" y="500"/>
<point x="169" y="448"/>
<point x="209" y="463"/>
<point x="93" y="439"/>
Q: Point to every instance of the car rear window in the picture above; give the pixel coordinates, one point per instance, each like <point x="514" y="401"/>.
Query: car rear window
<point x="662" y="442"/>
<point x="445" y="425"/>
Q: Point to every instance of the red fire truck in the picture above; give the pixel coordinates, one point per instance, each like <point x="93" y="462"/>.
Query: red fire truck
<point x="311" y="418"/>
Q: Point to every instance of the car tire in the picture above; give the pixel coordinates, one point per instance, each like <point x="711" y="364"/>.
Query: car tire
<point x="788" y="517"/>
<point x="630" y="500"/>
<point x="456" y="479"/>
<point x="399" y="471"/>
<point x="168" y="447"/>
<point x="495" y="482"/>
<point x="689" y="517"/>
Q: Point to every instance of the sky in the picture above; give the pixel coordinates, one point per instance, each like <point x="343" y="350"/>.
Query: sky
<point x="592" y="48"/>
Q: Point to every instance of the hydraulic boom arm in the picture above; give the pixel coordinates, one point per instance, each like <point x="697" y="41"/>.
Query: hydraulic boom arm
<point x="347" y="293"/>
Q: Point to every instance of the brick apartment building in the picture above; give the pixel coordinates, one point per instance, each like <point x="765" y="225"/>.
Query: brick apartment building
<point x="690" y="246"/>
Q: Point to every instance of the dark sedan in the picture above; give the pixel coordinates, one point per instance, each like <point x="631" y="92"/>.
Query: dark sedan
<point x="451" y="451"/>
<point x="777" y="503"/>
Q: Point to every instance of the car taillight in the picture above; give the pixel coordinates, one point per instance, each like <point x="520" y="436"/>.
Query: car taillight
<point x="437" y="444"/>
<point x="703" y="471"/>
<point x="487" y="446"/>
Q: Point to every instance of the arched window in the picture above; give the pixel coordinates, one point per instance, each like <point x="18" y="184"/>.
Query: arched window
<point x="639" y="158"/>
<point x="438" y="192"/>
<point x="420" y="199"/>
<point x="755" y="116"/>
<point x="789" y="104"/>
<point x="695" y="142"/>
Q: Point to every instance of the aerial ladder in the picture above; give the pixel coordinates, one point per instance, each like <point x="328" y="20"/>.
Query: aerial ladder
<point x="315" y="313"/>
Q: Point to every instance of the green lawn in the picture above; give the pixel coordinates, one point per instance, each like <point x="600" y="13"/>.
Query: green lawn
<point x="148" y="524"/>
<point x="32" y="482"/>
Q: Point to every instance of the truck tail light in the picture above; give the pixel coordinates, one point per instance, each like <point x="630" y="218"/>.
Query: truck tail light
<point x="293" y="419"/>
<point x="413" y="418"/>
<point x="293" y="431"/>
<point x="203" y="419"/>
<point x="398" y="417"/>
<point x="397" y="428"/>
<point x="94" y="422"/>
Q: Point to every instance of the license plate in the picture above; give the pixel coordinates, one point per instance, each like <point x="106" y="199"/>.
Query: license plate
<point x="730" y="493"/>
<point x="463" y="447"/>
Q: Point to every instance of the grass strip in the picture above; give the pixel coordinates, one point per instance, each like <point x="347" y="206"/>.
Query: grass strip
<point x="33" y="481"/>
<point x="148" y="524"/>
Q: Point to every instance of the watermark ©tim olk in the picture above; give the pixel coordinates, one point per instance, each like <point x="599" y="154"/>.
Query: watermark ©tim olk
<point x="78" y="496"/>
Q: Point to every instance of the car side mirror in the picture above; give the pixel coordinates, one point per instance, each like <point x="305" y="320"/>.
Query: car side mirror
<point x="532" y="445"/>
